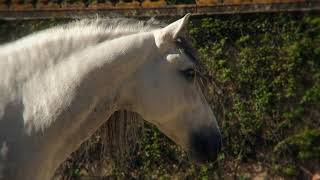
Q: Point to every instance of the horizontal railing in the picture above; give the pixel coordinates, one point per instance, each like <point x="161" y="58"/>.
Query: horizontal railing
<point x="43" y="9"/>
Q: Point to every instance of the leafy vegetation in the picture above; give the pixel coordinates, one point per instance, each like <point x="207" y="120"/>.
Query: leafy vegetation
<point x="268" y="70"/>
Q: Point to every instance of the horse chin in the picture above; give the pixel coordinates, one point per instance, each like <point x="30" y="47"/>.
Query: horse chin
<point x="201" y="159"/>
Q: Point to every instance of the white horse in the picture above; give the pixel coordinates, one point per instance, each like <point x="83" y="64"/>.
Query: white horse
<point x="59" y="85"/>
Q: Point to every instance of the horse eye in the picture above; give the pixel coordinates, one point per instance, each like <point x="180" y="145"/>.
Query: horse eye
<point x="179" y="43"/>
<point x="189" y="73"/>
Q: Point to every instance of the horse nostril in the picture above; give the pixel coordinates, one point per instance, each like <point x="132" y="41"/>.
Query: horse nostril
<point x="205" y="144"/>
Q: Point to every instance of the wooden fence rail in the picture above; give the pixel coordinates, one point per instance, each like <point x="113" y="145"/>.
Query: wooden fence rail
<point x="45" y="9"/>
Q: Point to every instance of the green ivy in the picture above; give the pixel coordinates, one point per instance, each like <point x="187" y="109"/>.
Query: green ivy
<point x="268" y="68"/>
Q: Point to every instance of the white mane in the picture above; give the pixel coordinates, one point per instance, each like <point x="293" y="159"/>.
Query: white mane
<point x="78" y="35"/>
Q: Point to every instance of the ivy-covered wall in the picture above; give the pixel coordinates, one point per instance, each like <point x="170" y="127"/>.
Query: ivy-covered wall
<point x="267" y="70"/>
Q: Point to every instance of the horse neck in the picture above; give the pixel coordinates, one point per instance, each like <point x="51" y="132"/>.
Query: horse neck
<point x="90" y="74"/>
<point x="80" y="94"/>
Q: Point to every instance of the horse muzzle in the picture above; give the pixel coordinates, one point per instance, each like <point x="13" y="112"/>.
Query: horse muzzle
<point x="205" y="144"/>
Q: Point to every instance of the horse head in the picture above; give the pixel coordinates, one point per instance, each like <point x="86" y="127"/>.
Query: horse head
<point x="166" y="93"/>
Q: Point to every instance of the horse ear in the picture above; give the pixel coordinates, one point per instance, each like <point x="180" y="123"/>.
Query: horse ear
<point x="172" y="31"/>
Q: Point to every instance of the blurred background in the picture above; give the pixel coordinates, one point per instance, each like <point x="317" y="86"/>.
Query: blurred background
<point x="263" y="60"/>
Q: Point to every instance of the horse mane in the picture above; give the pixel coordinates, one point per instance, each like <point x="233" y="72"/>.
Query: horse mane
<point x="123" y="26"/>
<point x="102" y="28"/>
<point x="82" y="33"/>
